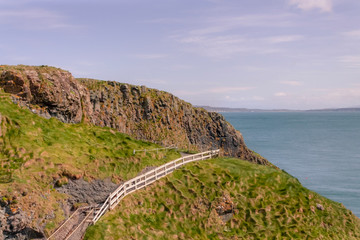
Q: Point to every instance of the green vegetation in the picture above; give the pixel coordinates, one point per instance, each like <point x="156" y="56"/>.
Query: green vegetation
<point x="93" y="84"/>
<point x="20" y="68"/>
<point x="36" y="152"/>
<point x="100" y="152"/>
<point x="268" y="204"/>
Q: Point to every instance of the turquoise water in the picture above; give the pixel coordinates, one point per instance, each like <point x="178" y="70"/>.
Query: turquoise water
<point x="321" y="149"/>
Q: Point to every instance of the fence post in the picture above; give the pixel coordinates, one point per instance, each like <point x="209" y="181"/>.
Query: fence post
<point x="109" y="201"/>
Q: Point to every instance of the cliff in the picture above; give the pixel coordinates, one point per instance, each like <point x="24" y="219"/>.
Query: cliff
<point x="141" y="112"/>
<point x="49" y="168"/>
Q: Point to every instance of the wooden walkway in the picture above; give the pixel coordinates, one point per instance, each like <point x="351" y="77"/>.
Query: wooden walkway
<point x="71" y="227"/>
<point x="75" y="226"/>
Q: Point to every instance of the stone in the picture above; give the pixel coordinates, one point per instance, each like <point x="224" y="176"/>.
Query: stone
<point x="320" y="207"/>
<point x="224" y="208"/>
<point x="94" y="192"/>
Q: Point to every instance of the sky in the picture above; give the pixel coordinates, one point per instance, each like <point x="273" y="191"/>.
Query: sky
<point x="270" y="54"/>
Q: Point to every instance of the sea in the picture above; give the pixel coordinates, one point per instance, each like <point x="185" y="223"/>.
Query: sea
<point x="321" y="149"/>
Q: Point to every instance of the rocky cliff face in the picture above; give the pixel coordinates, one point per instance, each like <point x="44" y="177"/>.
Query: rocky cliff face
<point x="141" y="112"/>
<point x="55" y="91"/>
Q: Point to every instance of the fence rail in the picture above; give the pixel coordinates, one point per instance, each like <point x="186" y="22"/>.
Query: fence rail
<point x="81" y="228"/>
<point x="148" y="178"/>
<point x="65" y="228"/>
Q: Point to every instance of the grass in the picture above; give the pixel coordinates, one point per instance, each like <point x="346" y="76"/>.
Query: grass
<point x="19" y="68"/>
<point x="268" y="204"/>
<point x="35" y="151"/>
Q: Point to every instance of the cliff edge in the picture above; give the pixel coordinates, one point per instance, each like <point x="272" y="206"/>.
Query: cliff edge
<point x="141" y="112"/>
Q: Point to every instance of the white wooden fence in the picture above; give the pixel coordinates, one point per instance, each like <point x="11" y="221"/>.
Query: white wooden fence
<point x="148" y="178"/>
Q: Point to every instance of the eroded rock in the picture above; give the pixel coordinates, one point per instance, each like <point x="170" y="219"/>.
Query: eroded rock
<point x="141" y="112"/>
<point x="92" y="193"/>
<point x="320" y="207"/>
<point x="224" y="207"/>
<point x="14" y="225"/>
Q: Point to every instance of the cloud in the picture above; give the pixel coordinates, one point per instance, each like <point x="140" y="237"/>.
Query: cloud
<point x="353" y="34"/>
<point x="257" y="98"/>
<point x="225" y="46"/>
<point x="181" y="67"/>
<point x="28" y="14"/>
<point x="250" y="20"/>
<point x="216" y="90"/>
<point x="224" y="24"/>
<point x="214" y="25"/>
<point x="317" y="98"/>
<point x="227" y="89"/>
<point x="34" y="19"/>
<point x="292" y="83"/>
<point x="280" y="94"/>
<point x="242" y="99"/>
<point x="152" y="81"/>
<point x="150" y="56"/>
<point x="351" y="61"/>
<point x="252" y="68"/>
<point x="20" y="58"/>
<point x="165" y="20"/>
<point x="339" y="95"/>
<point x="307" y="5"/>
<point x="284" y="38"/>
<point x="215" y="46"/>
<point x="217" y="38"/>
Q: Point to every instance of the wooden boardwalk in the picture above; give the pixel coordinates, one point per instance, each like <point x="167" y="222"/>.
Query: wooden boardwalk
<point x="70" y="227"/>
<point x="75" y="226"/>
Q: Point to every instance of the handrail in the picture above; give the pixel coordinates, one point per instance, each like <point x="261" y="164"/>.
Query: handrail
<point x="67" y="220"/>
<point x="101" y="210"/>
<point x="82" y="222"/>
<point x="148" y="178"/>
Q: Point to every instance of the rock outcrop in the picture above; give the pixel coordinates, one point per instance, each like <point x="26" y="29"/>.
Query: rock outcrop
<point x="55" y="91"/>
<point x="14" y="225"/>
<point x="141" y="112"/>
<point x="92" y="193"/>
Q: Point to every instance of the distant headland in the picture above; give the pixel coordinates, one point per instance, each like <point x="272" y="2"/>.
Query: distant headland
<point x="226" y="109"/>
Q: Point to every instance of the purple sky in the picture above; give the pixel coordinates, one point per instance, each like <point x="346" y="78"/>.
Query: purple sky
<point x="296" y="54"/>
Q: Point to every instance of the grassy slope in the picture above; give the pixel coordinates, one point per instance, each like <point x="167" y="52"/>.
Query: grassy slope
<point x="269" y="204"/>
<point x="34" y="151"/>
